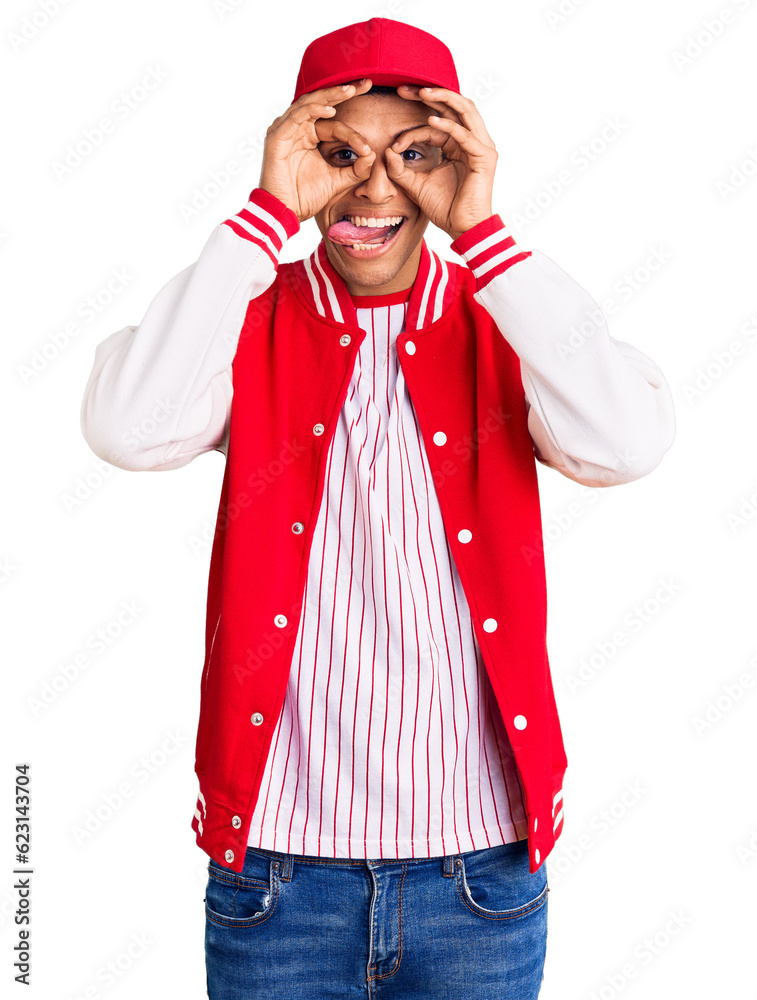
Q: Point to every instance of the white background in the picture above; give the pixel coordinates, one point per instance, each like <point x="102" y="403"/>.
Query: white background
<point x="679" y="794"/>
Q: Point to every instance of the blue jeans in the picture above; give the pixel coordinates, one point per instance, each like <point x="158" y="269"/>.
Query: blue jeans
<point x="470" y="926"/>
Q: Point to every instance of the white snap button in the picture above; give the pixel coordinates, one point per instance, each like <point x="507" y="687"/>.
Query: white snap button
<point x="440" y="437"/>
<point x="536" y="823"/>
<point x="345" y="339"/>
<point x="298" y="527"/>
<point x="236" y="822"/>
<point x="280" y="620"/>
<point x="464" y="535"/>
<point x="229" y="855"/>
<point x="536" y="855"/>
<point x="318" y="429"/>
<point x="410" y="347"/>
<point x="490" y="624"/>
<point x="519" y="722"/>
<point x="256" y="718"/>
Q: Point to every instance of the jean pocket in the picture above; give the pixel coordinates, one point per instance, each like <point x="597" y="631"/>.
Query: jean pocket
<point x="242" y="899"/>
<point x="495" y="882"/>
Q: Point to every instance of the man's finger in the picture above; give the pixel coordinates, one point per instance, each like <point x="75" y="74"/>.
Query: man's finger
<point x="464" y="111"/>
<point x="411" y="181"/>
<point x="330" y="131"/>
<point x="317" y="104"/>
<point x="291" y="124"/>
<point x="430" y="136"/>
<point x="411" y="92"/>
<point x="335" y="94"/>
<point x="466" y="140"/>
<point x="421" y="134"/>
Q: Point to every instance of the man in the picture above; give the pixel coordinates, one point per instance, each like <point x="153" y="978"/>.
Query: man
<point x="379" y="754"/>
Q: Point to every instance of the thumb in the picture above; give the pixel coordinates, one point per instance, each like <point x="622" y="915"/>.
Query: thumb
<point x="358" y="173"/>
<point x="408" y="180"/>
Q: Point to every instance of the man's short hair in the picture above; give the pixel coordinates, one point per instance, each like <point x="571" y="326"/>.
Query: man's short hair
<point x="380" y="89"/>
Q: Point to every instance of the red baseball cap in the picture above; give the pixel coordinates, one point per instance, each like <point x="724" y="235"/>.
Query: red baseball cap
<point x="389" y="52"/>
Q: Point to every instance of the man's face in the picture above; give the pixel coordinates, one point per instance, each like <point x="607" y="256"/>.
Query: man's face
<point x="379" y="119"/>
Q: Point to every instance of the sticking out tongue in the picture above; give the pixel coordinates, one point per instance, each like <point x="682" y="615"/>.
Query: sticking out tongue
<point x="345" y="232"/>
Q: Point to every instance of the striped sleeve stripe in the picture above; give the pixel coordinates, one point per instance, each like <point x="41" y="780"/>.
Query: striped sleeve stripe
<point x="265" y="221"/>
<point x="557" y="810"/>
<point x="489" y="250"/>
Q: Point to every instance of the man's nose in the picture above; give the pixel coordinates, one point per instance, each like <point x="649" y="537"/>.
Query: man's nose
<point x="379" y="186"/>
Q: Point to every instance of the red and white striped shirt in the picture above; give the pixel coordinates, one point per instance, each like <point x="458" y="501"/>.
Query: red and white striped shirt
<point x="390" y="742"/>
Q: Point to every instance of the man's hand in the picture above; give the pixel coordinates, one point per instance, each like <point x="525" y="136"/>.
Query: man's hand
<point x="293" y="169"/>
<point x="457" y="193"/>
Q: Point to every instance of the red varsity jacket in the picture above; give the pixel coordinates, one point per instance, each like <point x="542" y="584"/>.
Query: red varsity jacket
<point x="291" y="372"/>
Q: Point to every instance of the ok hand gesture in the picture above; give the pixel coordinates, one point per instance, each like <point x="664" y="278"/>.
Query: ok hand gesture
<point x="293" y="169"/>
<point x="457" y="193"/>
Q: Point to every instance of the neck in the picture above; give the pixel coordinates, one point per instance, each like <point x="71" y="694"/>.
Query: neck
<point x="377" y="301"/>
<point x="384" y="285"/>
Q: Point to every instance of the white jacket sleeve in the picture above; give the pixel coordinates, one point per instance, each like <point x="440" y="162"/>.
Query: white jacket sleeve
<point x="599" y="411"/>
<point x="159" y="394"/>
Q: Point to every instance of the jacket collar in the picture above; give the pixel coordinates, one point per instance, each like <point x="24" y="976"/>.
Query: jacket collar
<point x="325" y="289"/>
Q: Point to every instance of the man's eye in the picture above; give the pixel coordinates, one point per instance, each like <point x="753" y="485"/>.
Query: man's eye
<point x="345" y="155"/>
<point x="338" y="155"/>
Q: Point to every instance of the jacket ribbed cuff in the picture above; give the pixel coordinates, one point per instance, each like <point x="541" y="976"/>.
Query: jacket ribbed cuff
<point x="266" y="221"/>
<point x="489" y="250"/>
